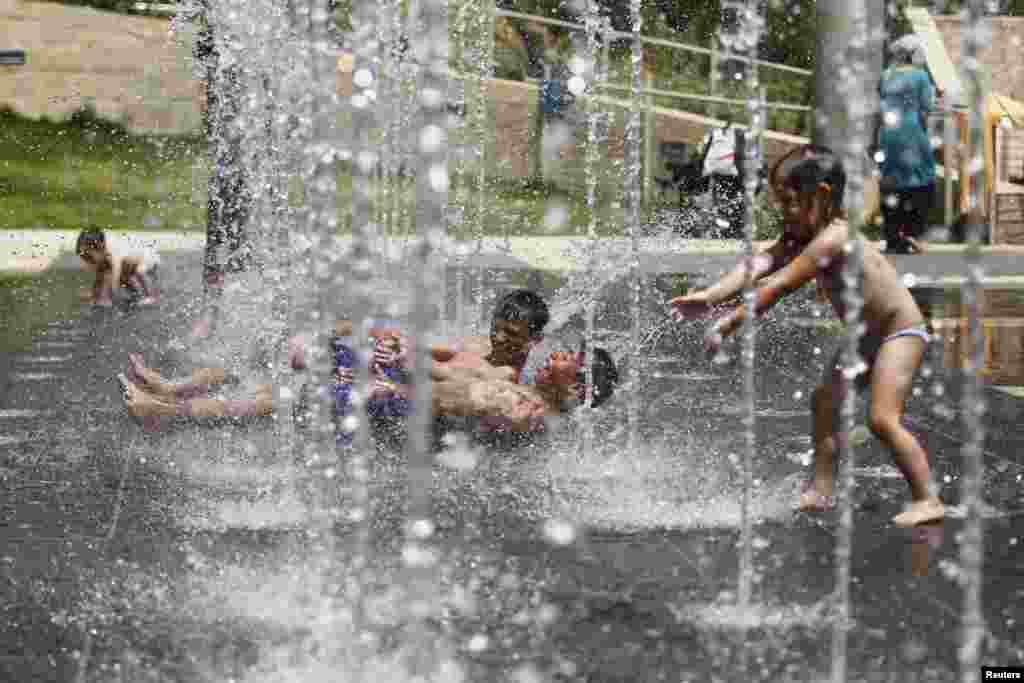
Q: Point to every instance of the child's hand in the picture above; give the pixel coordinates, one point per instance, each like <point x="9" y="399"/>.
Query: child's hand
<point x="690" y="306"/>
<point x="382" y="388"/>
<point x="387" y="352"/>
<point x="561" y="369"/>
<point x="344" y="375"/>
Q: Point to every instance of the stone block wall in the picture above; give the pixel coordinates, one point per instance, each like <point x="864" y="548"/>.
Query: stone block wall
<point x="126" y="67"/>
<point x="1001" y="57"/>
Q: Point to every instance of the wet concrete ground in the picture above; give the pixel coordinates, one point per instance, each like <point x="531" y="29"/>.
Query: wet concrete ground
<point x="200" y="553"/>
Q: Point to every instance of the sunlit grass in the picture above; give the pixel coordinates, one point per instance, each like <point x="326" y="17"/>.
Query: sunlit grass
<point x="63" y="175"/>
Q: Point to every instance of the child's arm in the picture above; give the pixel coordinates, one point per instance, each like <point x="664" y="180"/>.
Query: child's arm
<point x="696" y="304"/>
<point x="556" y="383"/>
<point x="103" y="287"/>
<point x="800" y="270"/>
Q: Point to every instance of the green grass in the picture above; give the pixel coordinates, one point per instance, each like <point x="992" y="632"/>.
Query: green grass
<point x="63" y="175"/>
<point x="86" y="171"/>
<point x="29" y="302"/>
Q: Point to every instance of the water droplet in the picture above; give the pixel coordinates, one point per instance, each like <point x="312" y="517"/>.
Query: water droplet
<point x="430" y="98"/>
<point x="431" y="138"/>
<point x="363" y="78"/>
<point x="577" y="85"/>
<point x="478" y="643"/>
<point x="438" y="176"/>
<point x="421" y="529"/>
<point x="555" y="216"/>
<point x="559" y="532"/>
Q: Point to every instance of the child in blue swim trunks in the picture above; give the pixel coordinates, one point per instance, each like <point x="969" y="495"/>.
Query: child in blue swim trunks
<point x="808" y="184"/>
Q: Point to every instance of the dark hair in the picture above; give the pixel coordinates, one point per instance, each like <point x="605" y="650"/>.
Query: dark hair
<point x="523" y="304"/>
<point x="806" y="166"/>
<point x="90" y="238"/>
<point x="605" y="377"/>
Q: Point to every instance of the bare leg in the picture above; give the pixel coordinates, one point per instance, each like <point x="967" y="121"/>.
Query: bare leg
<point x="824" y="401"/>
<point x="488" y="398"/>
<point x="201" y="382"/>
<point x="139" y="282"/>
<point x="143" y="405"/>
<point x="891" y="377"/>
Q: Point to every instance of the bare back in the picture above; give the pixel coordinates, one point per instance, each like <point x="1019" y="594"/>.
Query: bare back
<point x="888" y="304"/>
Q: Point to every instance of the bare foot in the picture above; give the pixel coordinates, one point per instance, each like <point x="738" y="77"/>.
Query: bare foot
<point x="104" y="302"/>
<point x="148" y="301"/>
<point x="142" y="405"/>
<point x="813" y="501"/>
<point x="921" y="512"/>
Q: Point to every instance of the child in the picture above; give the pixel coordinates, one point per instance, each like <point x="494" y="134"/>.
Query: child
<point x="808" y="184"/>
<point x="116" y="268"/>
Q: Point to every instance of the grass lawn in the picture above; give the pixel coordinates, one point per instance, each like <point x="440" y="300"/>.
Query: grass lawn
<point x="86" y="171"/>
<point x="29" y="302"/>
<point x="63" y="175"/>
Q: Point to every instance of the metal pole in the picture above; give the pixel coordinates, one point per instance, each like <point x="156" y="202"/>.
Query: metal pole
<point x="973" y="398"/>
<point x="829" y="48"/>
<point x="650" y="149"/>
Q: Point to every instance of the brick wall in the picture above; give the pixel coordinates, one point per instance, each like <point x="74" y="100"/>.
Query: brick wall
<point x="1001" y="58"/>
<point x="124" y="66"/>
<point x="129" y="70"/>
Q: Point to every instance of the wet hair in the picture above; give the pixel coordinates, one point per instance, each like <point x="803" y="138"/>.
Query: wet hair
<point x="803" y="168"/>
<point x="605" y="376"/>
<point x="90" y="238"/>
<point x="523" y="304"/>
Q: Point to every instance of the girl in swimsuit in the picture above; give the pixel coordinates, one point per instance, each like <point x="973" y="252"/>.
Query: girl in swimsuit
<point x="808" y="184"/>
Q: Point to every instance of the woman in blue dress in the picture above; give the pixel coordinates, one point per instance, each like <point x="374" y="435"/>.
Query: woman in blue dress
<point x="907" y="159"/>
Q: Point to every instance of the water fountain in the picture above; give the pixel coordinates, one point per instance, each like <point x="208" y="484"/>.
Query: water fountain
<point x="972" y="404"/>
<point x="398" y="97"/>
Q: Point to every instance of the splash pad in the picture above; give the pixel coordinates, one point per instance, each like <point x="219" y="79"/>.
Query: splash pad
<point x="650" y="540"/>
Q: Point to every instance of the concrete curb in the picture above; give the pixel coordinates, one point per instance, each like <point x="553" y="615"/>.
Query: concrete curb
<point x="34" y="251"/>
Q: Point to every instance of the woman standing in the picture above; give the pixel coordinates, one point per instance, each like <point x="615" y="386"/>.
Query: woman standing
<point x="907" y="160"/>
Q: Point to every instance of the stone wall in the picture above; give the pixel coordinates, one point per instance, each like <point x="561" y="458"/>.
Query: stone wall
<point x="1001" y="58"/>
<point x="130" y="70"/>
<point x="126" y="67"/>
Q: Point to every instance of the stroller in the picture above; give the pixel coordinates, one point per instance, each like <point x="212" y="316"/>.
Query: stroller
<point x="710" y="184"/>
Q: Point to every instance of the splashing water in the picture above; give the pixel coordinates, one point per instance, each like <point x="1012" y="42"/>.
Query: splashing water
<point x="973" y="401"/>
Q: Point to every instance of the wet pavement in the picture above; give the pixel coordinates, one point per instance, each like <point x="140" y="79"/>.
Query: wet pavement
<point x="199" y="553"/>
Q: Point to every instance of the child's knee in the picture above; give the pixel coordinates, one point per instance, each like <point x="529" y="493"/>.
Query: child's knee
<point x="882" y="424"/>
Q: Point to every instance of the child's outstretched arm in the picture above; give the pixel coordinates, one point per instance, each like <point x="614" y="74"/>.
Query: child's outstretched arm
<point x="803" y="268"/>
<point x="699" y="303"/>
